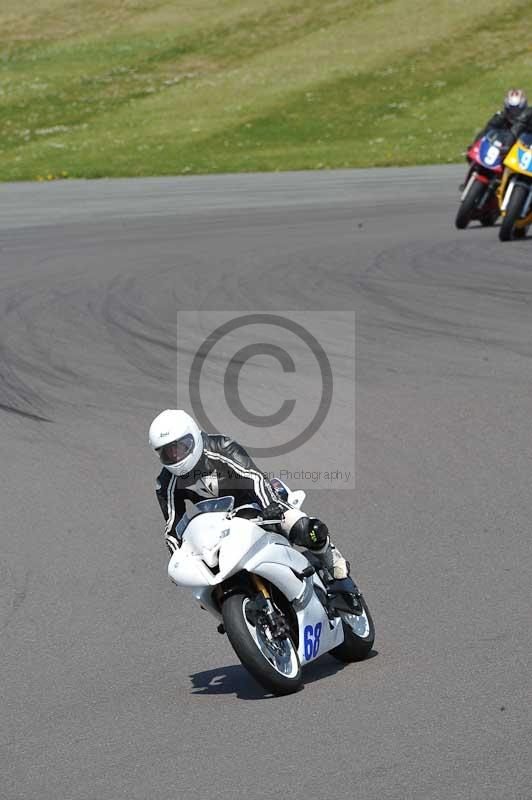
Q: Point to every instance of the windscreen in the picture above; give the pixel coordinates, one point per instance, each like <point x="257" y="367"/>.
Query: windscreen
<point x="203" y="507"/>
<point x="506" y="138"/>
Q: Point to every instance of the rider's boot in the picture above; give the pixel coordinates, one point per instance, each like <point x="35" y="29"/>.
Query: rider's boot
<point x="342" y="591"/>
<point x="333" y="561"/>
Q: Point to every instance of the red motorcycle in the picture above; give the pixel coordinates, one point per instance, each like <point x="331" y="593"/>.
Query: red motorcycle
<point x="479" y="196"/>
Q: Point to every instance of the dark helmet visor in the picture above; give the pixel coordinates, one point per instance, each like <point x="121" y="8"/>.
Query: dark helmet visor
<point x="175" y="452"/>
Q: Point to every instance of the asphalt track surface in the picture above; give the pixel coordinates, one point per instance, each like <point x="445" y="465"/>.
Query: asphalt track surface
<point x="114" y="684"/>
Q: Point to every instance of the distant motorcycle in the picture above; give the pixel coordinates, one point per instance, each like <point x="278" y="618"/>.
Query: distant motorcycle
<point x="515" y="191"/>
<point x="276" y="606"/>
<point x="479" y="197"/>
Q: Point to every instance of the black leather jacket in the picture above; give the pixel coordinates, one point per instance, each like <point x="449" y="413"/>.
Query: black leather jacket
<point x="224" y="468"/>
<point x="498" y="121"/>
<point x="523" y="123"/>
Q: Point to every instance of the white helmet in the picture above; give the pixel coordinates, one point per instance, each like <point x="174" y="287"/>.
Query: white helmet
<point x="177" y="440"/>
<point x="515" y="101"/>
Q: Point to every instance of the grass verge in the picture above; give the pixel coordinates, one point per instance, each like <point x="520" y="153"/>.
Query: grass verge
<point x="149" y="87"/>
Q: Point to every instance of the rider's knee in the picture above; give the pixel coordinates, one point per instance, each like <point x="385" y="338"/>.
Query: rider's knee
<point x="309" y="532"/>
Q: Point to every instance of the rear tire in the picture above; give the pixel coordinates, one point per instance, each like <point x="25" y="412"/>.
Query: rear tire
<point x="469" y="204"/>
<point x="517" y="201"/>
<point x="356" y="645"/>
<point x="247" y="646"/>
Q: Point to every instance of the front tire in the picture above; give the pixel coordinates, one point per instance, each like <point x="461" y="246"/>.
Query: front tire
<point x="359" y="635"/>
<point x="274" y="664"/>
<point x="517" y="201"/>
<point x="469" y="204"/>
<point x="489" y="219"/>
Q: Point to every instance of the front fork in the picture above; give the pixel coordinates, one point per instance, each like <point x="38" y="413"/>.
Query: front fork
<point x="276" y="623"/>
<point x="260" y="586"/>
<point x="489" y="183"/>
<point x="508" y="191"/>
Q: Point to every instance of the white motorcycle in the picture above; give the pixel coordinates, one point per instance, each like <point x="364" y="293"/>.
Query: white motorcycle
<point x="276" y="606"/>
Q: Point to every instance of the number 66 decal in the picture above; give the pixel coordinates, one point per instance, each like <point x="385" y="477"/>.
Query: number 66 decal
<point x="312" y="640"/>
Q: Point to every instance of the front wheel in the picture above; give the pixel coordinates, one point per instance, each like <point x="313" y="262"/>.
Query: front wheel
<point x="489" y="219"/>
<point x="359" y="635"/>
<point x="469" y="204"/>
<point x="273" y="661"/>
<point x="515" y="206"/>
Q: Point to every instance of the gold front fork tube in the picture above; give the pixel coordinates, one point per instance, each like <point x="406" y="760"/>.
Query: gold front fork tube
<point x="261" y="586"/>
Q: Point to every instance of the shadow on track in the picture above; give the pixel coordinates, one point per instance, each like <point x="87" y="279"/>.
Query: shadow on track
<point x="234" y="679"/>
<point x="477" y="226"/>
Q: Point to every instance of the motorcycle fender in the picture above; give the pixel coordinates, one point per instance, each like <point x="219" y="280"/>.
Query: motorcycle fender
<point x="317" y="633"/>
<point x="482" y="178"/>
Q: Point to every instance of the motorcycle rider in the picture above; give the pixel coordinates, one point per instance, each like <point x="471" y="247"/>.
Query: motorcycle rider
<point x="515" y="103"/>
<point x="523" y="123"/>
<point x="198" y="465"/>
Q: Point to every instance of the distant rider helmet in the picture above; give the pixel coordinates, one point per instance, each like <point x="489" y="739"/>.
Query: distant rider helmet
<point x="177" y="440"/>
<point x="515" y="101"/>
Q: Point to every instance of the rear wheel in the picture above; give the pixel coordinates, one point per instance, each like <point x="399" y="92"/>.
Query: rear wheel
<point x="517" y="201"/>
<point x="272" y="660"/>
<point x="359" y="635"/>
<point x="469" y="204"/>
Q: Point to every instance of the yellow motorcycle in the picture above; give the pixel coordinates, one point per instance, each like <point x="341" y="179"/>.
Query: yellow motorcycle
<point x="515" y="190"/>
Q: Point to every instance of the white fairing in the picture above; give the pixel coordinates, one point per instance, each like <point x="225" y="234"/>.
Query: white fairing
<point x="217" y="545"/>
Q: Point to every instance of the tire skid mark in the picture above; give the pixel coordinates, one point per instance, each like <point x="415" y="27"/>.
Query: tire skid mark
<point x="13" y="594"/>
<point x="57" y="341"/>
<point x="459" y="310"/>
<point x="140" y="334"/>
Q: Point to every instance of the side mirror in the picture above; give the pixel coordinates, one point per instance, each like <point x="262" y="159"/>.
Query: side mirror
<point x="296" y="498"/>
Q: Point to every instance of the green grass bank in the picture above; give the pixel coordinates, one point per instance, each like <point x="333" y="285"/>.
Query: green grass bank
<point x="152" y="87"/>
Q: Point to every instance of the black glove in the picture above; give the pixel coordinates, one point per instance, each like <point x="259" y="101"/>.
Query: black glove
<point x="273" y="511"/>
